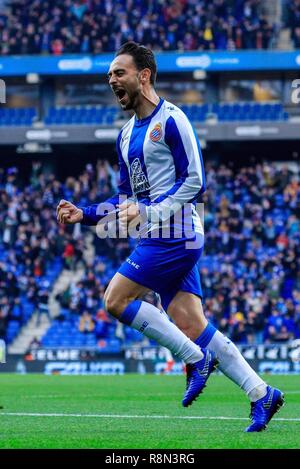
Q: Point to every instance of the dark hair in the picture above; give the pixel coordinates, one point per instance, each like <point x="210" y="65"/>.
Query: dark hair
<point x="142" y="57"/>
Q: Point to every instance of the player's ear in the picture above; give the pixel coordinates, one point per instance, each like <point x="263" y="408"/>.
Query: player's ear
<point x="145" y="75"/>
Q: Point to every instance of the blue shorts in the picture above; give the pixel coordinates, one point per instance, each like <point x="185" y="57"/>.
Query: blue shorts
<point x="165" y="266"/>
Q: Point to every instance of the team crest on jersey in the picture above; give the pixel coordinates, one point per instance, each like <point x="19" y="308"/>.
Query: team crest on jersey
<point x="139" y="180"/>
<point x="156" y="133"/>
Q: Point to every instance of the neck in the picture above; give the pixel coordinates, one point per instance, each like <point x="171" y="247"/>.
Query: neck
<point x="147" y="103"/>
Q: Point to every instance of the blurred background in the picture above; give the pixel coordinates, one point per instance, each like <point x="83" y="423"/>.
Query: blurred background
<point x="234" y="68"/>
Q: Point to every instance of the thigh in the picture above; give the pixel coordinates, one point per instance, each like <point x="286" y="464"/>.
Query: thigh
<point x="190" y="283"/>
<point x="123" y="287"/>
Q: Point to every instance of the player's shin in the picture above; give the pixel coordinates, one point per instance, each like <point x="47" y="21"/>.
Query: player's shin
<point x="154" y="324"/>
<point x="232" y="363"/>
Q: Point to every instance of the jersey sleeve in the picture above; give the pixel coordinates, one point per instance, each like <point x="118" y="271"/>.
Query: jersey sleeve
<point x="94" y="213"/>
<point x="189" y="169"/>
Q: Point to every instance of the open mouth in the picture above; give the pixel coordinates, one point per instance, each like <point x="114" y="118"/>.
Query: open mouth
<point x="120" y="93"/>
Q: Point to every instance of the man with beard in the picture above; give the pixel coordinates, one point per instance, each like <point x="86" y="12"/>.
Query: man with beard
<point x="162" y="177"/>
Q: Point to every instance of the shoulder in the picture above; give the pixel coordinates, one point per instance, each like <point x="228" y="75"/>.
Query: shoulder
<point x="173" y="114"/>
<point x="176" y="120"/>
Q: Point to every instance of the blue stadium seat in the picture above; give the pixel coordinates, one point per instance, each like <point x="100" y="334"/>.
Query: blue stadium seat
<point x="81" y="115"/>
<point x="17" y="116"/>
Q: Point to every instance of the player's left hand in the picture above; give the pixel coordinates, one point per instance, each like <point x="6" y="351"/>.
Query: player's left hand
<point x="127" y="213"/>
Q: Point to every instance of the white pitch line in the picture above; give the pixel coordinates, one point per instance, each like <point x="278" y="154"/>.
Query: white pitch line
<point x="116" y="416"/>
<point x="287" y="393"/>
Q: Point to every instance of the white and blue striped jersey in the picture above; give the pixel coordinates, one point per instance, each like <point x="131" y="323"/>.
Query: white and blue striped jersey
<point x="161" y="166"/>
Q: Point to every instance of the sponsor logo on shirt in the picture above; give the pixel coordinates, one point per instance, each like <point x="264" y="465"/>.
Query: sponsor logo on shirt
<point x="156" y="133"/>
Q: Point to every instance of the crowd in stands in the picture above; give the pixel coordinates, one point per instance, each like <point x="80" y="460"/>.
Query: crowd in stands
<point x="31" y="244"/>
<point x="252" y="250"/>
<point x="250" y="267"/>
<point x="34" y="247"/>
<point x="293" y="21"/>
<point x="95" y="26"/>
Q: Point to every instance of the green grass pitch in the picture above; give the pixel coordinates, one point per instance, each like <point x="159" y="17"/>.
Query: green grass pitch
<point x="137" y="411"/>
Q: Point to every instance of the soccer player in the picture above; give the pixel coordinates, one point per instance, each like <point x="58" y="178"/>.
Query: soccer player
<point x="162" y="174"/>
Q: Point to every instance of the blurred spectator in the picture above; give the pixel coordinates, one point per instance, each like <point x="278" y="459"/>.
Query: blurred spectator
<point x="17" y="312"/>
<point x="42" y="305"/>
<point x="68" y="256"/>
<point x="86" y="322"/>
<point x="102" y="323"/>
<point x="34" y="344"/>
<point x="280" y="329"/>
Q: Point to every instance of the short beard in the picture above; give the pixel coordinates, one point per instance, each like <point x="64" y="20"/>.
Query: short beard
<point x="132" y="102"/>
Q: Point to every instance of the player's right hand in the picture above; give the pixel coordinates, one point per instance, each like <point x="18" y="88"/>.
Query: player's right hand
<point x="67" y="213"/>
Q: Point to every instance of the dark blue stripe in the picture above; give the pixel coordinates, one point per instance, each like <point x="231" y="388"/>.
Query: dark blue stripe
<point x="181" y="161"/>
<point x="135" y="152"/>
<point x="206" y="336"/>
<point x="130" y="312"/>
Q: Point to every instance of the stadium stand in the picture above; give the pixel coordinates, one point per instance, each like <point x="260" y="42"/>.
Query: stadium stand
<point x="94" y="26"/>
<point x="196" y="113"/>
<point x="292" y="21"/>
<point x="110" y="115"/>
<point x="252" y="214"/>
<point x="82" y="115"/>
<point x="17" y="116"/>
<point x="250" y="268"/>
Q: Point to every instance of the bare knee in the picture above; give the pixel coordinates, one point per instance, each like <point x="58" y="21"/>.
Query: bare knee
<point x="114" y="303"/>
<point x="120" y="292"/>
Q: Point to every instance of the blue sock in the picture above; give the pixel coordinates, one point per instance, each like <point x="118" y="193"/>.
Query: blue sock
<point x="206" y="336"/>
<point x="130" y="312"/>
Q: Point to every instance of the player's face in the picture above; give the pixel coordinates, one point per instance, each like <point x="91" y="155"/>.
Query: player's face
<point x="124" y="80"/>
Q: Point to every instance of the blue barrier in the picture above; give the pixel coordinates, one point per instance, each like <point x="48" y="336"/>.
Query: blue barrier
<point x="167" y="62"/>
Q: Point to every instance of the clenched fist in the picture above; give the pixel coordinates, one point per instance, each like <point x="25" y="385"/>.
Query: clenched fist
<point x="128" y="211"/>
<point x="68" y="213"/>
